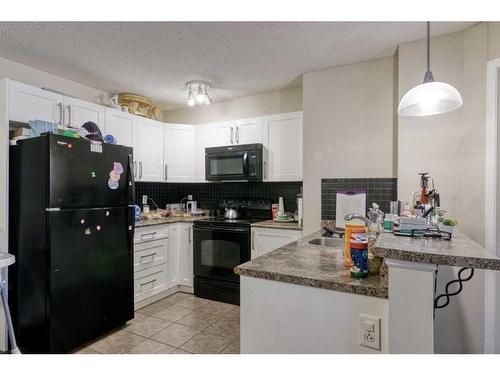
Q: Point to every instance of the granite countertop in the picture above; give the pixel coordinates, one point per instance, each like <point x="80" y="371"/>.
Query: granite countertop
<point x="312" y="265"/>
<point x="461" y="251"/>
<point x="168" y="220"/>
<point x="276" y="225"/>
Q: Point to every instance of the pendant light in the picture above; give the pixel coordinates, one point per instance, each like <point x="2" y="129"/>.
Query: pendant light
<point x="429" y="98"/>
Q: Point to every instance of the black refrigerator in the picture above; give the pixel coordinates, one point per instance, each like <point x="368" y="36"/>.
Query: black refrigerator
<point x="71" y="228"/>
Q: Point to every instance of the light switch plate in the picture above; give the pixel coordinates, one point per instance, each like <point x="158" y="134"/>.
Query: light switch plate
<point x="369" y="331"/>
<point x="144" y="199"/>
<point x="190" y="197"/>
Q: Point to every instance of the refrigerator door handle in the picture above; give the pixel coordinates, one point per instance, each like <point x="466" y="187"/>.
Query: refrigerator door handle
<point x="131" y="182"/>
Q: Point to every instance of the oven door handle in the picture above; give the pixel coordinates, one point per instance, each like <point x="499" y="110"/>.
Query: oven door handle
<point x="221" y="229"/>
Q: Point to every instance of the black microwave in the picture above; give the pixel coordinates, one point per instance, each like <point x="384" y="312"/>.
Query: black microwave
<point x="234" y="163"/>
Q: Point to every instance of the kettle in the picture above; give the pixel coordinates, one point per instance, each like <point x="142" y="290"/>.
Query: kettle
<point x="232" y="213"/>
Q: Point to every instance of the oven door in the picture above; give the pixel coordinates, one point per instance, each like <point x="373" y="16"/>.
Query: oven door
<point x="226" y="166"/>
<point x="217" y="250"/>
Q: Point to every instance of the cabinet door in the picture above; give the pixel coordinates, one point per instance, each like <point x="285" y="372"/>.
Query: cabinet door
<point x="120" y="125"/>
<point x="173" y="256"/>
<point x="28" y="103"/>
<point x="265" y="240"/>
<point x="283" y="142"/>
<point x="186" y="255"/>
<point x="222" y="134"/>
<point x="248" y="131"/>
<point x="203" y="139"/>
<point x="179" y="153"/>
<point x="77" y="112"/>
<point x="148" y="146"/>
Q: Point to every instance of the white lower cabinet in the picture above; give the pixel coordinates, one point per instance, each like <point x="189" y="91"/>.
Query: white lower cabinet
<point x="265" y="240"/>
<point x="173" y="255"/>
<point x="186" y="255"/>
<point x="163" y="261"/>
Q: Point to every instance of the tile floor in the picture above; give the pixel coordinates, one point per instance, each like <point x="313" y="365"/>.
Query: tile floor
<point x="178" y="324"/>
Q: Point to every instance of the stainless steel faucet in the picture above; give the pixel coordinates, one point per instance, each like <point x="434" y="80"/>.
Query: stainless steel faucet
<point x="355" y="215"/>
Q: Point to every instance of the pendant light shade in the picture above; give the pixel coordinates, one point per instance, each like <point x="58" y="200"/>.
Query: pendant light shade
<point x="429" y="98"/>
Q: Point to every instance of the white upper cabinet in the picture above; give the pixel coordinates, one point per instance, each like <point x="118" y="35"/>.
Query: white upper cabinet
<point x="77" y="112"/>
<point x="283" y="142"/>
<point x="28" y="103"/>
<point x="203" y="140"/>
<point x="248" y="131"/>
<point x="120" y="125"/>
<point x="179" y="152"/>
<point x="222" y="134"/>
<point x="148" y="148"/>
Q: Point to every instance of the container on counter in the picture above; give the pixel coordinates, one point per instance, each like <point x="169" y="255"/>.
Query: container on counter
<point x="349" y="230"/>
<point x="359" y="256"/>
<point x="389" y="222"/>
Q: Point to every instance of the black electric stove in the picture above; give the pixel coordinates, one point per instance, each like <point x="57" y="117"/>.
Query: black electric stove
<point x="221" y="244"/>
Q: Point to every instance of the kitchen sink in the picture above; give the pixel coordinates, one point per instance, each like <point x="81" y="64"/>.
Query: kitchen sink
<point x="328" y="241"/>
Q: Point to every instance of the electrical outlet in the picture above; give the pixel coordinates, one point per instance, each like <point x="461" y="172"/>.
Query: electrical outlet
<point x="144" y="199"/>
<point x="190" y="197"/>
<point x="369" y="331"/>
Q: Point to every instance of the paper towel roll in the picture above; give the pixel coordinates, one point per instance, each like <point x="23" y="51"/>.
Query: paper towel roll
<point x="281" y="206"/>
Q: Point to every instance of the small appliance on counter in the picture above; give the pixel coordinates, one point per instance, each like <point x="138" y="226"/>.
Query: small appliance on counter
<point x="220" y="244"/>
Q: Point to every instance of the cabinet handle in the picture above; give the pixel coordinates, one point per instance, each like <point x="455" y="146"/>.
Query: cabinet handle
<point x="69" y="115"/>
<point x="231" y="135"/>
<point x="148" y="282"/>
<point x="140" y="169"/>
<point x="189" y="234"/>
<point x="238" y="134"/>
<point x="61" y="114"/>
<point x="253" y="241"/>
<point x="166" y="172"/>
<point x="146" y="256"/>
<point x="148" y="234"/>
<point x="135" y="169"/>
<point x="264" y="164"/>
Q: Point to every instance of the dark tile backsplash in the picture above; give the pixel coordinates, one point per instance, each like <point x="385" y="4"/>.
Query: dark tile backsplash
<point x="208" y="195"/>
<point x="378" y="190"/>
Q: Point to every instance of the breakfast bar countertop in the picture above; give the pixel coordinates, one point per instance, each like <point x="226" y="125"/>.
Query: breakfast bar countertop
<point x="312" y="265"/>
<point x="461" y="251"/>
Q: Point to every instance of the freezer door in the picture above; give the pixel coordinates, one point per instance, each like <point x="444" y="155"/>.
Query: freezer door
<point x="85" y="174"/>
<point x="91" y="274"/>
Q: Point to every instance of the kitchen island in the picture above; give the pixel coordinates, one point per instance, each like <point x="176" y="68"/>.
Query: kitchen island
<point x="300" y="299"/>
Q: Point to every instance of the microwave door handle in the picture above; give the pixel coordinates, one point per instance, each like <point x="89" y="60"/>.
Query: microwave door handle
<point x="245" y="163"/>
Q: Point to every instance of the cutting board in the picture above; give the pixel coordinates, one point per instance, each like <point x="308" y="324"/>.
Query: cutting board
<point x="348" y="202"/>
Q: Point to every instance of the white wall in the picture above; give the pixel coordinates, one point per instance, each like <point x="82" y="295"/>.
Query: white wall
<point x="38" y="78"/>
<point x="349" y="127"/>
<point x="289" y="100"/>
<point x="451" y="147"/>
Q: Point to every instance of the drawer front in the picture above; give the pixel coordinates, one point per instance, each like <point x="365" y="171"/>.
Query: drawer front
<point x="150" y="254"/>
<point x="149" y="282"/>
<point x="151" y="233"/>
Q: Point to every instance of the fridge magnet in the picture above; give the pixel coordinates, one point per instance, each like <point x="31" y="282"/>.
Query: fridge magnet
<point x="114" y="176"/>
<point x="118" y="167"/>
<point x="113" y="185"/>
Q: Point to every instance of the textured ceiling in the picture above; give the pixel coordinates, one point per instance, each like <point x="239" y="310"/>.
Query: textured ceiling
<point x="239" y="58"/>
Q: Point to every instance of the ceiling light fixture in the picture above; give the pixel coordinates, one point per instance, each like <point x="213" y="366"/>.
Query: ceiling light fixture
<point x="429" y="98"/>
<point x="201" y="96"/>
